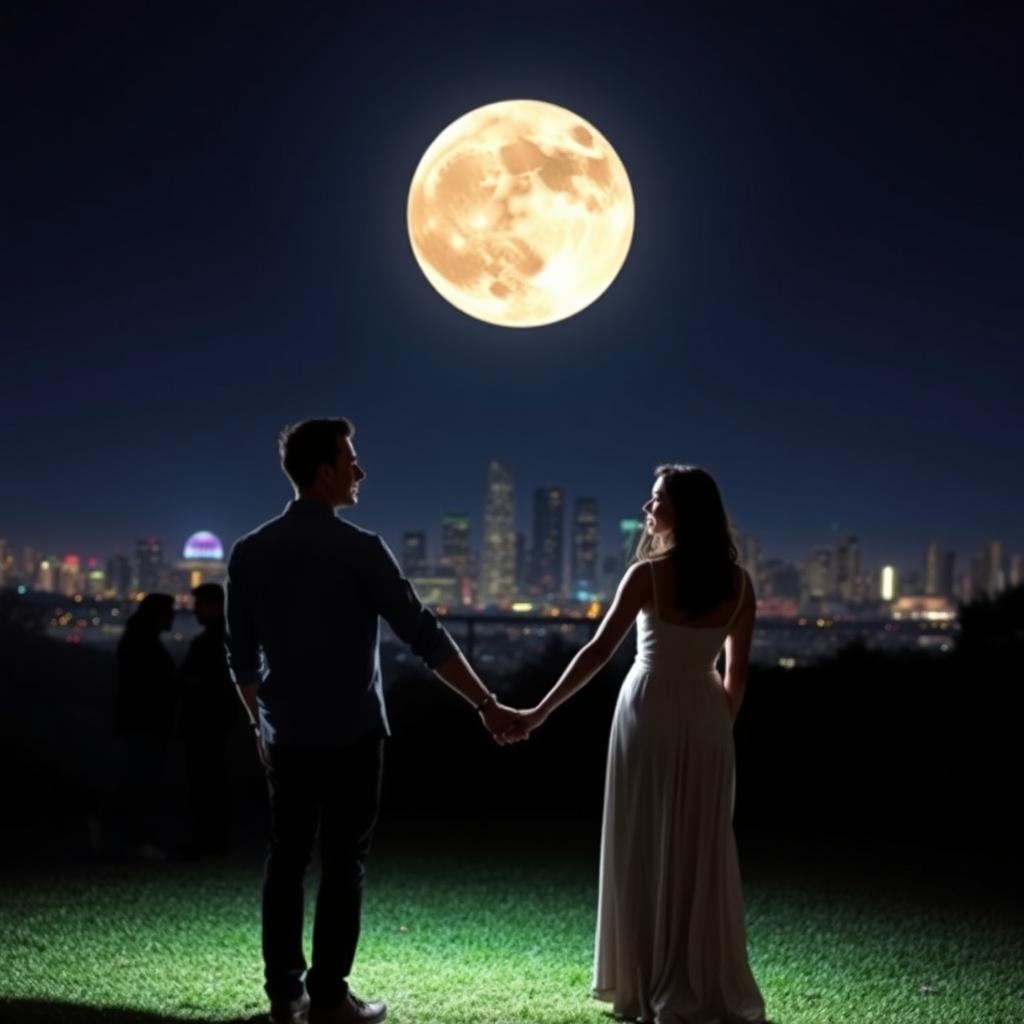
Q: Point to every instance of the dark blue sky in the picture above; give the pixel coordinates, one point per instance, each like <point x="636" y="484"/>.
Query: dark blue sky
<point x="204" y="238"/>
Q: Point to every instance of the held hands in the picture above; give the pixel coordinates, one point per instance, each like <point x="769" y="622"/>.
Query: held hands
<point x="507" y="725"/>
<point x="499" y="720"/>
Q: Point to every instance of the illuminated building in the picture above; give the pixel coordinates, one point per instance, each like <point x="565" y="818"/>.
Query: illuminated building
<point x="847" y="569"/>
<point x="818" y="575"/>
<point x="939" y="571"/>
<point x="498" y="555"/>
<point x="547" y="576"/>
<point x="149" y="566"/>
<point x="414" y="553"/>
<point x="522" y="564"/>
<point x="585" y="549"/>
<point x="1016" y="570"/>
<point x="47" y="574"/>
<point x="202" y="561"/>
<point x="72" y="579"/>
<point x="888" y="583"/>
<point x="992" y="579"/>
<point x="928" y="609"/>
<point x="6" y="563"/>
<point x="29" y="563"/>
<point x="630" y="532"/>
<point x="438" y="589"/>
<point x="456" y="554"/>
<point x="780" y="582"/>
<point x="119" y="576"/>
<point x="95" y="578"/>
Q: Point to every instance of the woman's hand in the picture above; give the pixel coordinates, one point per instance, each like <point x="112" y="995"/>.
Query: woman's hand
<point x="527" y="720"/>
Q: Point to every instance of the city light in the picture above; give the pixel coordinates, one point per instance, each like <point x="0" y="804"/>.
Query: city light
<point x="203" y="545"/>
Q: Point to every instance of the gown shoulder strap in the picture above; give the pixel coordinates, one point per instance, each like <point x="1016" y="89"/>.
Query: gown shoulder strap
<point x="654" y="587"/>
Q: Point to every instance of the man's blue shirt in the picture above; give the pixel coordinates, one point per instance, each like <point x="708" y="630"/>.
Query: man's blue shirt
<point x="304" y="595"/>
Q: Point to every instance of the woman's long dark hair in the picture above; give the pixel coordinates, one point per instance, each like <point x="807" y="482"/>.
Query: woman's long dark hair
<point x="702" y="548"/>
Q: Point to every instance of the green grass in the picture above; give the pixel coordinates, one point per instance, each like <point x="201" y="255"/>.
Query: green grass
<point x="458" y="934"/>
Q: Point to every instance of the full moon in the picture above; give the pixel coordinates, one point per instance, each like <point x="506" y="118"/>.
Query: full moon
<point x="520" y="213"/>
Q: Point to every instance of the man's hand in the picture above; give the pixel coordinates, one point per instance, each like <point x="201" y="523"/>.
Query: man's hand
<point x="524" y="723"/>
<point x="503" y="723"/>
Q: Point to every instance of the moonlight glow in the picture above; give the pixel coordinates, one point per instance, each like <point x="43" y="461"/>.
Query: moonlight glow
<point x="520" y="213"/>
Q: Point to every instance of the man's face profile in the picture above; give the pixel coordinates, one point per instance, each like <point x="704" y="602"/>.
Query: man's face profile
<point x="345" y="474"/>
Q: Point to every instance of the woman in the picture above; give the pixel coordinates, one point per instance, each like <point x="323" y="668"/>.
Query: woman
<point x="670" y="932"/>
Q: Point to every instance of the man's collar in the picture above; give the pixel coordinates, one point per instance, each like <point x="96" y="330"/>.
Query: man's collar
<point x="308" y="506"/>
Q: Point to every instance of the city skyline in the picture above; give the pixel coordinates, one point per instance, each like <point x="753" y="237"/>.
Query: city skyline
<point x="498" y="562"/>
<point x="820" y="304"/>
<point x="525" y="511"/>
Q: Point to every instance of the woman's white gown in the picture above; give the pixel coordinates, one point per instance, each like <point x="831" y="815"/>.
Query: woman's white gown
<point x="671" y="945"/>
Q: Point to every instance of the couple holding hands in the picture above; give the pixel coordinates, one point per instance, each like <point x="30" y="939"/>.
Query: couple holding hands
<point x="305" y="594"/>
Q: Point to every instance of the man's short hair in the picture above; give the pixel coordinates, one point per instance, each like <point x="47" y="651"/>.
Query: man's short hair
<point x="305" y="446"/>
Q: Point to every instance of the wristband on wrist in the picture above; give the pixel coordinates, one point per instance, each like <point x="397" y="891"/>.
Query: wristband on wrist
<point x="485" y="703"/>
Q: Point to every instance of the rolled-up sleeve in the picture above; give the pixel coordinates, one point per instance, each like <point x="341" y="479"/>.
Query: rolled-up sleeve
<point x="241" y="639"/>
<point x="400" y="606"/>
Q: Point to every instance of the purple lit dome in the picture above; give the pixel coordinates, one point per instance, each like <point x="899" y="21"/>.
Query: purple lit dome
<point x="204" y="545"/>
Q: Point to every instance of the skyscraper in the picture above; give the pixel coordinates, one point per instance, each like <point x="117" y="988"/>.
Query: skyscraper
<point x="6" y="563"/>
<point x="630" y="532"/>
<point x="498" y="556"/>
<point x="819" y="575"/>
<point x="847" y="568"/>
<point x="149" y="565"/>
<point x="456" y="553"/>
<point x="72" y="578"/>
<point x="414" y="553"/>
<point x="585" y="548"/>
<point x="1016" y="574"/>
<point x="47" y="574"/>
<point x="119" y="576"/>
<point x="939" y="571"/>
<point x="522" y="564"/>
<point x="888" y="583"/>
<point x="95" y="578"/>
<point x="29" y="563"/>
<point x="547" y="577"/>
<point x="992" y="576"/>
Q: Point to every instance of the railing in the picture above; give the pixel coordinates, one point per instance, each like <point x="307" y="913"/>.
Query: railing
<point x="472" y="622"/>
<point x="839" y="627"/>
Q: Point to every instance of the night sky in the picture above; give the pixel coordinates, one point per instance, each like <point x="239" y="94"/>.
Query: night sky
<point x="203" y="224"/>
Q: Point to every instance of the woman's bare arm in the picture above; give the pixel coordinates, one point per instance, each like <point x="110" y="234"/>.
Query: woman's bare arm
<point x="737" y="651"/>
<point x="634" y="592"/>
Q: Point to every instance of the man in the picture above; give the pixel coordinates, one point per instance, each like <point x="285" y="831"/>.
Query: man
<point x="209" y="709"/>
<point x="306" y="591"/>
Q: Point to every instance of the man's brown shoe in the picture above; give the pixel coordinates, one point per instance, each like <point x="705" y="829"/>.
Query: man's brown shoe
<point x="289" y="1011"/>
<point x="351" y="1010"/>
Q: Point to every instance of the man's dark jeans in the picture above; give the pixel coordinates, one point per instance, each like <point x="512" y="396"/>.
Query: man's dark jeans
<point x="339" y="789"/>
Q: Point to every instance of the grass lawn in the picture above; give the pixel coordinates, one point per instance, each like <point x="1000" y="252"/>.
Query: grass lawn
<point x="472" y="932"/>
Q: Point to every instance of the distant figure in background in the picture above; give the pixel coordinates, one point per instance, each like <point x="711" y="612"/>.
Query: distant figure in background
<point x="671" y="945"/>
<point x="209" y="708"/>
<point x="144" y="705"/>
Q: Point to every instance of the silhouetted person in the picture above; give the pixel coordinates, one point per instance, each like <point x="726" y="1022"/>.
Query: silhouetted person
<point x="306" y="590"/>
<point x="209" y="708"/>
<point x="144" y="705"/>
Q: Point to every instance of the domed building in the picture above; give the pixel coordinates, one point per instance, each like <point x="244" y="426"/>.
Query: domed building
<point x="202" y="561"/>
